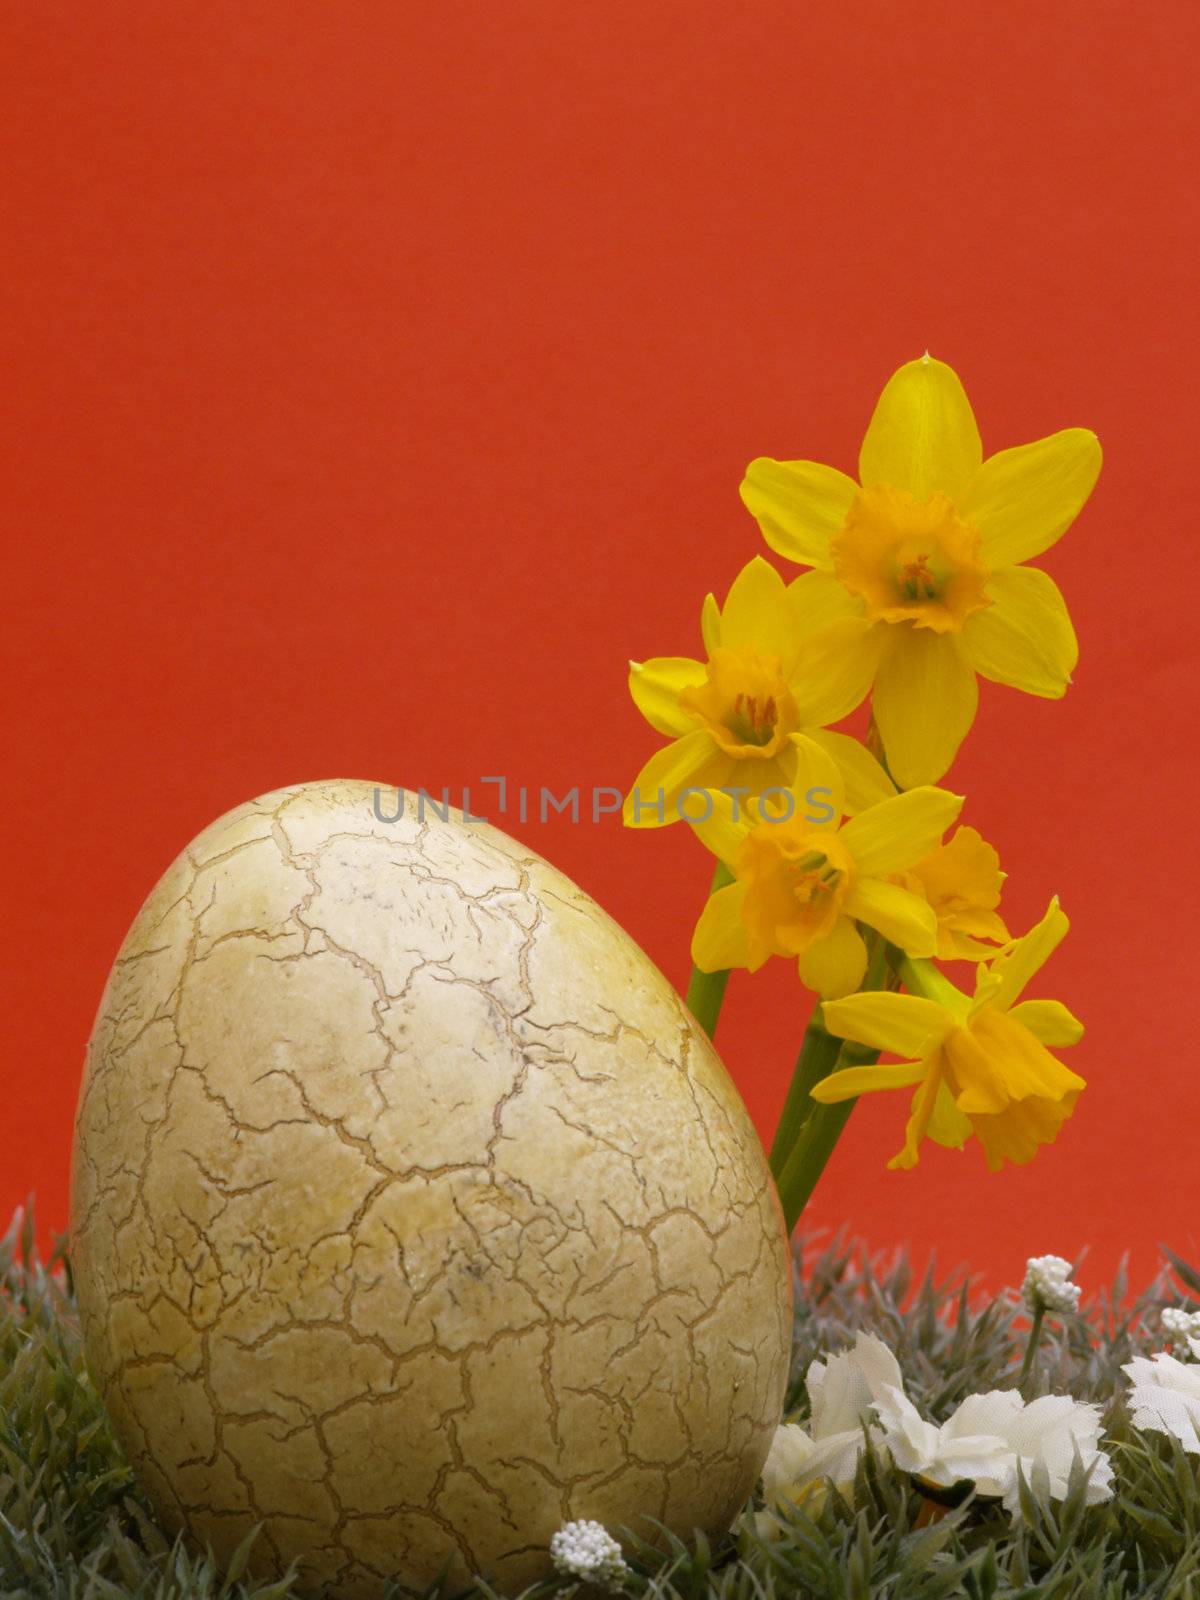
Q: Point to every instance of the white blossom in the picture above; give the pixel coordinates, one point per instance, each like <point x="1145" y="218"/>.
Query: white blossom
<point x="990" y="1436"/>
<point x="1183" y="1332"/>
<point x="586" y="1550"/>
<point x="1165" y="1397"/>
<point x="1048" y="1285"/>
<point x="841" y="1390"/>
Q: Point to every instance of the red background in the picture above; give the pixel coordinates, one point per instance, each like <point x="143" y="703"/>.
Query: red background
<point x="380" y="378"/>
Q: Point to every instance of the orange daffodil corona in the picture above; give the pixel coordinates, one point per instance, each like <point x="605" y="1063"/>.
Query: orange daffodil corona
<point x="981" y="1065"/>
<point x="917" y="582"/>
<point x="961" y="881"/>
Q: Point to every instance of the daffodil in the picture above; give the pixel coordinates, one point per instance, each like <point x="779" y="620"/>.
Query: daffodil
<point x="804" y="877"/>
<point x="732" y="718"/>
<point x="961" y="880"/>
<point x="980" y="1066"/>
<point x="917" y="582"/>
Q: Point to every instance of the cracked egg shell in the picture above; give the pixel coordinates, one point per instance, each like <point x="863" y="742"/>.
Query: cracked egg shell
<point x="411" y="1213"/>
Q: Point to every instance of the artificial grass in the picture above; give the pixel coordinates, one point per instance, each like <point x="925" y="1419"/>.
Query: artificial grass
<point x="73" y="1522"/>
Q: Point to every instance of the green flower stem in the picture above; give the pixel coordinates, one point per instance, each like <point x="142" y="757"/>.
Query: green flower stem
<point x="821" y="1132"/>
<point x="706" y="990"/>
<point x="803" y="1147"/>
<point x="818" y="1053"/>
<point x="923" y="978"/>
<point x="1035" y="1333"/>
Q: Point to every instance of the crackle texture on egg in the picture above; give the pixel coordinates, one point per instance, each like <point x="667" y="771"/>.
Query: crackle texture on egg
<point x="412" y="1215"/>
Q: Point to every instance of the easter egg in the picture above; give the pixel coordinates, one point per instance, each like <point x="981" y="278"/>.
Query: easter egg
<point x="412" y="1215"/>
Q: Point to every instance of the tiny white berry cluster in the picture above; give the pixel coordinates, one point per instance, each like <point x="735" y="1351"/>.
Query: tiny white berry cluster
<point x="588" y="1551"/>
<point x="1048" y="1285"/>
<point x="1182" y="1329"/>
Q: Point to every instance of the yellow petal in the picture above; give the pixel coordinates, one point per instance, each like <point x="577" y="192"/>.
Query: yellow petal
<point x="923" y="435"/>
<point x="955" y="945"/>
<point x="799" y="505"/>
<point x="710" y="623"/>
<point x="1013" y="967"/>
<point x="655" y="686"/>
<point x="1049" y="1021"/>
<point x="834" y="669"/>
<point x="834" y="965"/>
<point x="1023" y="500"/>
<point x="758" y="774"/>
<point x="719" y="941"/>
<point x="1025" y="637"/>
<point x="924" y="1102"/>
<point x="818" y="787"/>
<point x="728" y="822"/>
<point x="978" y="1074"/>
<point x="850" y="1082"/>
<point x="904" y="919"/>
<point x="866" y="781"/>
<point x="897" y="832"/>
<point x="947" y="1125"/>
<point x="818" y="598"/>
<point x="983" y="924"/>
<point x="924" y="702"/>
<point x="694" y="761"/>
<point x="906" y="1024"/>
<point x="756" y="614"/>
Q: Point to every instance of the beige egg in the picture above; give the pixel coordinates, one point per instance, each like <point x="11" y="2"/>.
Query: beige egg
<point x="412" y="1215"/>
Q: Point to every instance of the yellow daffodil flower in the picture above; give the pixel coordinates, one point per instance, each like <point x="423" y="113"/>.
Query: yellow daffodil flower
<point x="803" y="877"/>
<point x="732" y="718"/>
<point x="961" y="880"/>
<point x="917" y="583"/>
<point x="981" y="1065"/>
